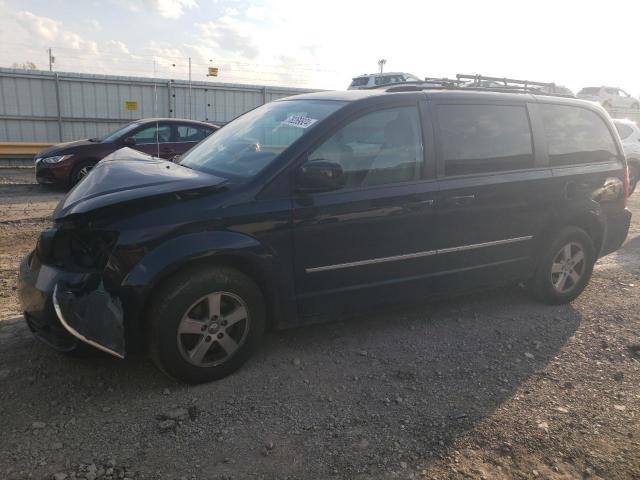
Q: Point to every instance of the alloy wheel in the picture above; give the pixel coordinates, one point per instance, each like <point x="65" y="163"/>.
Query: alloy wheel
<point x="212" y="329"/>
<point x="84" y="172"/>
<point x="568" y="267"/>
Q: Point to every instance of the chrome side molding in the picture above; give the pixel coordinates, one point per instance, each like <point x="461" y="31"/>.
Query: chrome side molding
<point x="409" y="256"/>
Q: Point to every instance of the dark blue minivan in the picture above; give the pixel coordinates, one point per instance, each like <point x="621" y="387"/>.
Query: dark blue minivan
<point x="326" y="203"/>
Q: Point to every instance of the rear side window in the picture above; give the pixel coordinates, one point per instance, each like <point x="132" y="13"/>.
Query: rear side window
<point x="623" y="130"/>
<point x="188" y="133"/>
<point x="484" y="138"/>
<point x="576" y="135"/>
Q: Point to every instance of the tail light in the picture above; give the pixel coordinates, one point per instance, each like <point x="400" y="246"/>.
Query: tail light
<point x="626" y="185"/>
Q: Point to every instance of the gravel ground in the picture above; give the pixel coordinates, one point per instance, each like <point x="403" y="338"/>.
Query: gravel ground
<point x="22" y="198"/>
<point x="491" y="385"/>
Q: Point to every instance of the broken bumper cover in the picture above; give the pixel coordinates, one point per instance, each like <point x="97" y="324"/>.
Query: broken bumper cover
<point x="616" y="232"/>
<point x="62" y="308"/>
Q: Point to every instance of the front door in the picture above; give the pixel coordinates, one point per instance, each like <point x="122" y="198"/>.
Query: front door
<point x="371" y="241"/>
<point x="155" y="140"/>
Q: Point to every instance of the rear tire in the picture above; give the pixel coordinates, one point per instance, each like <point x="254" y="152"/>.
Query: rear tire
<point x="634" y="175"/>
<point x="204" y="324"/>
<point x="564" y="267"/>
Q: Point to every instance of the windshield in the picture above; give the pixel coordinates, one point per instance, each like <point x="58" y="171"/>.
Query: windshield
<point x="252" y="141"/>
<point x="120" y="132"/>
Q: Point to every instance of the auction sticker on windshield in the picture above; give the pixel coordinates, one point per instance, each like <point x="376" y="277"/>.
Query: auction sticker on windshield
<point x="299" y="121"/>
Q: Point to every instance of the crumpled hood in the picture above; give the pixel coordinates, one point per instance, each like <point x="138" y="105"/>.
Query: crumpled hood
<point x="63" y="148"/>
<point x="128" y="175"/>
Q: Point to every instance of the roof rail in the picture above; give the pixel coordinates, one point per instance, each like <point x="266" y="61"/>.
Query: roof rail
<point x="444" y="80"/>
<point x="427" y="82"/>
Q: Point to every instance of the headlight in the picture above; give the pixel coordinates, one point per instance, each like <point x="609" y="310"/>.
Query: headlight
<point x="56" y="159"/>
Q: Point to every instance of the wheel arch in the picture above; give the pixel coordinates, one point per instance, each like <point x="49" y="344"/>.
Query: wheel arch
<point x="590" y="222"/>
<point x="210" y="250"/>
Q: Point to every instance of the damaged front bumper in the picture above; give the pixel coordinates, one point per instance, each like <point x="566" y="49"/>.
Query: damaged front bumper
<point x="62" y="308"/>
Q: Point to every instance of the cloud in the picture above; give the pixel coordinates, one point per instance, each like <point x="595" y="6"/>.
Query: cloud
<point x="230" y="36"/>
<point x="44" y="29"/>
<point x="41" y="27"/>
<point x="165" y="8"/>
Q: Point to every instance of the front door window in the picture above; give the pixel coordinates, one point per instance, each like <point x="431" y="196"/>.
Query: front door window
<point x="378" y="148"/>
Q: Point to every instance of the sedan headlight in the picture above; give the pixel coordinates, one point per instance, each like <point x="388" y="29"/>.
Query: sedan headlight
<point x="56" y="158"/>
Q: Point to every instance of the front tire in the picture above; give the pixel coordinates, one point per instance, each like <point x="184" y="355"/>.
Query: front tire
<point x="564" y="267"/>
<point x="80" y="171"/>
<point x="205" y="323"/>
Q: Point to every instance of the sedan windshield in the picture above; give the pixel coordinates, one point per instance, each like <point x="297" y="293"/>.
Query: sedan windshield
<point x="249" y="143"/>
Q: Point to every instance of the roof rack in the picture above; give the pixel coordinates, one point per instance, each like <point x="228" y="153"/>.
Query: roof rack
<point x="479" y="79"/>
<point x="478" y="83"/>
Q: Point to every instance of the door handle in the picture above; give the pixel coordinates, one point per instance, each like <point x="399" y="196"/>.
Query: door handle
<point x="461" y="199"/>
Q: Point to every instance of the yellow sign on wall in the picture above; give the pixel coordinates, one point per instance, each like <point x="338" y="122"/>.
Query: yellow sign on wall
<point x="131" y="106"/>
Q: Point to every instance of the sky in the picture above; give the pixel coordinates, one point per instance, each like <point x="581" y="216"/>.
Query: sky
<point x="325" y="44"/>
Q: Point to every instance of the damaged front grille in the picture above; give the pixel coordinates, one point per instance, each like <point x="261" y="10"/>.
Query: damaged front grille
<point x="76" y="249"/>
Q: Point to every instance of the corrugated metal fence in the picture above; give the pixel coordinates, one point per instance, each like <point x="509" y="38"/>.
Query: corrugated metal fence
<point x="38" y="106"/>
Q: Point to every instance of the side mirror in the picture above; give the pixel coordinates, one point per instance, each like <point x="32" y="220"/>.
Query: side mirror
<point x="129" y="141"/>
<point x="319" y="176"/>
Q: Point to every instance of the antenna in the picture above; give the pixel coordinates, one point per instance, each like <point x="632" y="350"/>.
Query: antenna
<point x="155" y="105"/>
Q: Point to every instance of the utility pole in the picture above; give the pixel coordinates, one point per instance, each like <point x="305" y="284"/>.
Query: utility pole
<point x="51" y="60"/>
<point x="190" y="117"/>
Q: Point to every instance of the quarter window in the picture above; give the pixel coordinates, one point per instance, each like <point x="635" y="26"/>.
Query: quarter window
<point x="484" y="138"/>
<point x="576" y="135"/>
<point x="378" y="148"/>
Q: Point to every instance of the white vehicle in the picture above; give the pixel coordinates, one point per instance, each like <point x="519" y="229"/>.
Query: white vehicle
<point x="610" y="97"/>
<point x="630" y="136"/>
<point x="376" y="79"/>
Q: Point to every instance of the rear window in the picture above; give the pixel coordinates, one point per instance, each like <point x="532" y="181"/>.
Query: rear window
<point x="484" y="138"/>
<point x="576" y="135"/>
<point x="590" y="91"/>
<point x="360" y="81"/>
<point x="623" y="130"/>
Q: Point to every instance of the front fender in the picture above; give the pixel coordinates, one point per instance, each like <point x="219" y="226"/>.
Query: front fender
<point x="180" y="251"/>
